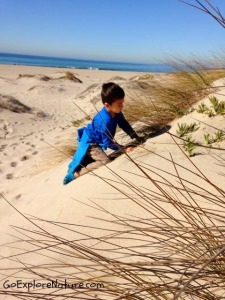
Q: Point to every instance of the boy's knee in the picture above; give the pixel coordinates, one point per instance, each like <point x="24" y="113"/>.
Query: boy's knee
<point x="105" y="160"/>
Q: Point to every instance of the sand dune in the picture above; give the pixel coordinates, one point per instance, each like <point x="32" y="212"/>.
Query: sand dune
<point x="31" y="174"/>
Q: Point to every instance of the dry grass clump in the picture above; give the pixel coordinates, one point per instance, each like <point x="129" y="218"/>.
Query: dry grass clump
<point x="39" y="77"/>
<point x="70" y="76"/>
<point x="14" y="105"/>
<point x="58" y="152"/>
<point x="173" y="95"/>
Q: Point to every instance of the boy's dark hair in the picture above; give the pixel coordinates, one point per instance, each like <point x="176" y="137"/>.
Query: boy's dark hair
<point x="111" y="92"/>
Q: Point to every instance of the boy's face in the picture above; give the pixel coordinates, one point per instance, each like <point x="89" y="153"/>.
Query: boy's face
<point x="115" y="107"/>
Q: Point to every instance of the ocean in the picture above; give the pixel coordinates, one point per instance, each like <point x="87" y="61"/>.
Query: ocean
<point x="44" y="61"/>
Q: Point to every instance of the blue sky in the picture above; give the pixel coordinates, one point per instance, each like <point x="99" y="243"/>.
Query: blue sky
<point x="117" y="30"/>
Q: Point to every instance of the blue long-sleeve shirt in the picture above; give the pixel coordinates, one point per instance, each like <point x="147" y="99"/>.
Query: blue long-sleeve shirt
<point x="103" y="128"/>
<point x="100" y="131"/>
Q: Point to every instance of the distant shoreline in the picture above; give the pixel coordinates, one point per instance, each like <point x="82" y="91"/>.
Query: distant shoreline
<point x="79" y="64"/>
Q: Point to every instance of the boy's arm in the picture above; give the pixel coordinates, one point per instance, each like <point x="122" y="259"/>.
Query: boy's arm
<point x="108" y="139"/>
<point x="124" y="124"/>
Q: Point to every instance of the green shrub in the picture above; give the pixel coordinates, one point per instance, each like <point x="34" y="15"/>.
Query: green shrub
<point x="184" y="129"/>
<point x="208" y="139"/>
<point x="189" y="146"/>
<point x="202" y="108"/>
<point x="218" y="137"/>
<point x="218" y="106"/>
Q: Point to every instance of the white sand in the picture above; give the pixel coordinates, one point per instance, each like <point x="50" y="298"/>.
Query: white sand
<point x="31" y="179"/>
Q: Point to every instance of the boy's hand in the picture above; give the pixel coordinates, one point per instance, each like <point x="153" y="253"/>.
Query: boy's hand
<point x="140" y="139"/>
<point x="129" y="149"/>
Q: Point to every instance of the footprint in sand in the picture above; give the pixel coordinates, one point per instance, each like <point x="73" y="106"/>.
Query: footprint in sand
<point x="35" y="153"/>
<point x="3" y="147"/>
<point x="18" y="197"/>
<point x="5" y="129"/>
<point x="25" y="157"/>
<point x="13" y="164"/>
<point x="14" y="146"/>
<point x="9" y="176"/>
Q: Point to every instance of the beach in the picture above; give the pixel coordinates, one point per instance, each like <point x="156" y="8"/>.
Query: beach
<point x="33" y="163"/>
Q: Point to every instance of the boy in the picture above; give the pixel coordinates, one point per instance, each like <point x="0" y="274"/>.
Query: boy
<point x="99" y="135"/>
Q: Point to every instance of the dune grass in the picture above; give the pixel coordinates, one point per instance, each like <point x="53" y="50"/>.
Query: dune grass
<point x="39" y="77"/>
<point x="70" y="76"/>
<point x="12" y="104"/>
<point x="58" y="152"/>
<point x="174" y="96"/>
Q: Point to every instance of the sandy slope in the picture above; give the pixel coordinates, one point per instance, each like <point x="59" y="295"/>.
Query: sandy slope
<point x="23" y="153"/>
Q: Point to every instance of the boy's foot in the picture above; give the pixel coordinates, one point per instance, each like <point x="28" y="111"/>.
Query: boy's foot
<point x="68" y="178"/>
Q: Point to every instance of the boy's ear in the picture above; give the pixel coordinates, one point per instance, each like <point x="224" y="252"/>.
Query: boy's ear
<point x="107" y="105"/>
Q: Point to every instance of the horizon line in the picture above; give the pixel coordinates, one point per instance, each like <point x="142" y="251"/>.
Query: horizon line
<point x="86" y="59"/>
